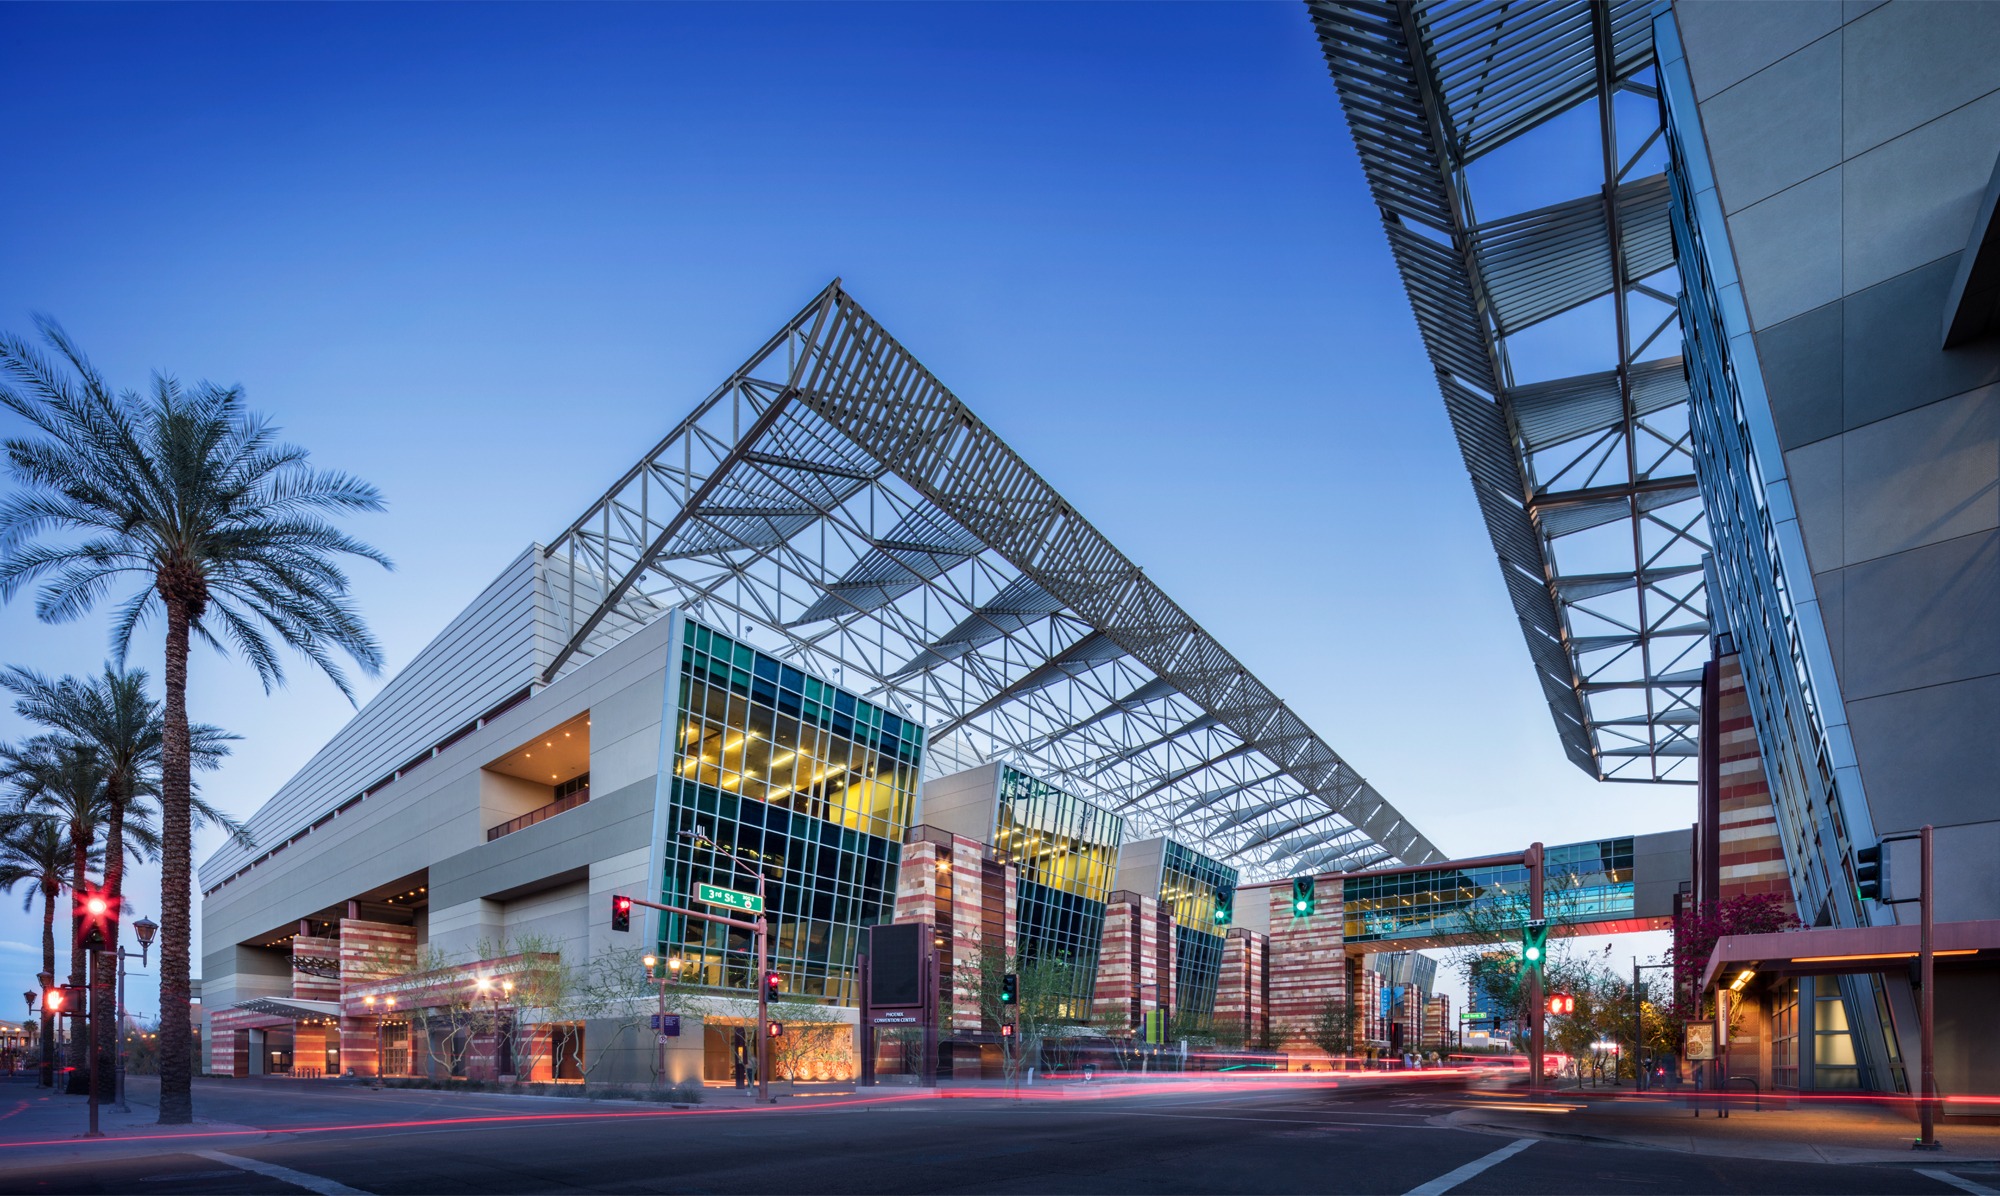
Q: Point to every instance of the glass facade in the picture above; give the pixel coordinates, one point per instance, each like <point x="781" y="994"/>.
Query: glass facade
<point x="1190" y="886"/>
<point x="1587" y="881"/>
<point x="1065" y="853"/>
<point x="1760" y="587"/>
<point x="805" y="782"/>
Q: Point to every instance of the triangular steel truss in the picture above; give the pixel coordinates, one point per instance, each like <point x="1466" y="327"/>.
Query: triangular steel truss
<point x="835" y="504"/>
<point x="1586" y="483"/>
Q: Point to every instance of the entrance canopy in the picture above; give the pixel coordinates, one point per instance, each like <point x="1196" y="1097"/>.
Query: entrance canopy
<point x="1840" y="951"/>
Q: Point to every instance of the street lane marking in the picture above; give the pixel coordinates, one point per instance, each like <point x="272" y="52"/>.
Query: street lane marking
<point x="1960" y="1182"/>
<point x="1451" y="1179"/>
<point x="299" y="1179"/>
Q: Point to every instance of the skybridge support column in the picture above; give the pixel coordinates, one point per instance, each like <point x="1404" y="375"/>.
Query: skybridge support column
<point x="1535" y="1001"/>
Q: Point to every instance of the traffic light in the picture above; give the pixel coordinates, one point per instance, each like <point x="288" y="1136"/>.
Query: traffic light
<point x="621" y="912"/>
<point x="1010" y="989"/>
<point x="98" y="920"/>
<point x="1561" y="1003"/>
<point x="774" y="1029"/>
<point x="773" y="982"/>
<point x="1302" y="896"/>
<point x="1870" y="873"/>
<point x="55" y="1000"/>
<point x="1535" y="944"/>
<point x="1224" y="894"/>
<point x="1006" y="1029"/>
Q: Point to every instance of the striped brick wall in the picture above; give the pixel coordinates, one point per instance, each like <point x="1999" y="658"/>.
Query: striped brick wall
<point x="1239" y="993"/>
<point x="315" y="954"/>
<point x="1128" y="963"/>
<point x="1307" y="961"/>
<point x="359" y="1047"/>
<point x="954" y="883"/>
<point x="1374" y="1027"/>
<point x="369" y="951"/>
<point x="1752" y="860"/>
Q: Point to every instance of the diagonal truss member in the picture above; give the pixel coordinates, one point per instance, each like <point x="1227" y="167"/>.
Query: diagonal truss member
<point x="1586" y="483"/>
<point x="835" y="503"/>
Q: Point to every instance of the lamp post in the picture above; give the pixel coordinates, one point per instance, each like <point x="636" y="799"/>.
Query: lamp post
<point x="660" y="981"/>
<point x="699" y="834"/>
<point x="145" y="929"/>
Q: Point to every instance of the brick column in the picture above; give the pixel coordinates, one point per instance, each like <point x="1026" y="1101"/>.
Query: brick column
<point x="1308" y="960"/>
<point x="1128" y="960"/>
<point x="1239" y="993"/>
<point x="1751" y="857"/>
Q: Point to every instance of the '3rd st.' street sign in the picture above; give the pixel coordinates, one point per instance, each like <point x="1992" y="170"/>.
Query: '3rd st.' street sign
<point x="728" y="898"/>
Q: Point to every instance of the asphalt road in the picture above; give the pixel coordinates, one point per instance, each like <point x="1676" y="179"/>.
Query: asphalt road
<point x="343" y="1140"/>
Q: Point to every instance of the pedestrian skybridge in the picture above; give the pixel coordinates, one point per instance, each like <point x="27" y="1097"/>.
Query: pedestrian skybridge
<point x="1605" y="886"/>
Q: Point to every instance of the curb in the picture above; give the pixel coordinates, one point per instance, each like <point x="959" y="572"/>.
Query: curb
<point x="1510" y="1131"/>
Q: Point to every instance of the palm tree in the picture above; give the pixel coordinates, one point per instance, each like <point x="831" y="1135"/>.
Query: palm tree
<point x="222" y="527"/>
<point x="110" y="719"/>
<point x="36" y="850"/>
<point x="59" y="778"/>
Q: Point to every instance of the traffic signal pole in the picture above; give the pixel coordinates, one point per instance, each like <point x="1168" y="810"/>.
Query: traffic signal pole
<point x="758" y="929"/>
<point x="1535" y="1011"/>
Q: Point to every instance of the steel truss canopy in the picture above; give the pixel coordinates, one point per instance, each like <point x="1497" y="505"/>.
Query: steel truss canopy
<point x="835" y="504"/>
<point x="1585" y="481"/>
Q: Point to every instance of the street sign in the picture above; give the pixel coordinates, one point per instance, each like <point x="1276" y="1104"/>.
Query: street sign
<point x="895" y="1017"/>
<point x="668" y="1024"/>
<point x="1474" y="1015"/>
<point x="728" y="898"/>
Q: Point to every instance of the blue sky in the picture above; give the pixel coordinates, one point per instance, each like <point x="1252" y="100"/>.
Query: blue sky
<point x="485" y="256"/>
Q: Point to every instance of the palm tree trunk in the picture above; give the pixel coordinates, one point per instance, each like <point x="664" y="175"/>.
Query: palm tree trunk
<point x="49" y="966"/>
<point x="79" y="1074"/>
<point x="104" y="1023"/>
<point x="176" y="847"/>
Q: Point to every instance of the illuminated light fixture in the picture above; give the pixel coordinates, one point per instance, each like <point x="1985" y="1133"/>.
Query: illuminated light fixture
<point x="1742" y="978"/>
<point x="674" y="962"/>
<point x="1878" y="955"/>
<point x="96" y="906"/>
<point x="783" y="758"/>
<point x="392" y="1001"/>
<point x="368" y="1001"/>
<point x="484" y="983"/>
<point x="649" y="960"/>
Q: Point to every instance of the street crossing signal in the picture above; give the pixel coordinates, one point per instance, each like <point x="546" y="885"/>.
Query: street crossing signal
<point x="621" y="912"/>
<point x="774" y="1029"/>
<point x="1535" y="944"/>
<point x="1302" y="896"/>
<point x="55" y="1000"/>
<point x="1562" y="1003"/>
<point x="1010" y="989"/>
<point x="1006" y="1029"/>
<point x="1224" y="894"/>
<point x="1869" y="873"/>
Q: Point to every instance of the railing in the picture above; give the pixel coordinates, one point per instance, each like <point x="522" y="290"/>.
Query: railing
<point x="533" y="816"/>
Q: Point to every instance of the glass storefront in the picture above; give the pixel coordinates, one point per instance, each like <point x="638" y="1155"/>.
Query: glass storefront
<point x="1192" y="886"/>
<point x="799" y="778"/>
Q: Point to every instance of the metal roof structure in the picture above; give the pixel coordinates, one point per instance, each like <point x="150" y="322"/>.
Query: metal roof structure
<point x="835" y="504"/>
<point x="1585" y="481"/>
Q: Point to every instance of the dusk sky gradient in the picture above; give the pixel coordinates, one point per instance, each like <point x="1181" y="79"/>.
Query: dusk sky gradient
<point x="484" y="257"/>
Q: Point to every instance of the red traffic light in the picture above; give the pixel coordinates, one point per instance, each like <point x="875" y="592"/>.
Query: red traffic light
<point x="95" y="905"/>
<point x="774" y="982"/>
<point x="53" y="999"/>
<point x="621" y="912"/>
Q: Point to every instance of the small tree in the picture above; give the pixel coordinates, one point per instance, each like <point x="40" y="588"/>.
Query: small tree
<point x="813" y="1044"/>
<point x="1046" y="1002"/>
<point x="1332" y="1026"/>
<point x="1696" y="932"/>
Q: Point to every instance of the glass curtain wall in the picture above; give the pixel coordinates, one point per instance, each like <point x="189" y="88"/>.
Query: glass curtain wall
<point x="800" y="779"/>
<point x="1191" y="885"/>
<point x="1065" y="853"/>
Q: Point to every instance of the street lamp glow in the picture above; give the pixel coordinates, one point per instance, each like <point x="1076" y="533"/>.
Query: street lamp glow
<point x="649" y="961"/>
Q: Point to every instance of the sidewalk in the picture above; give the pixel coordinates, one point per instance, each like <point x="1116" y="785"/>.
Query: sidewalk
<point x="39" y="1127"/>
<point x="1825" y="1134"/>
